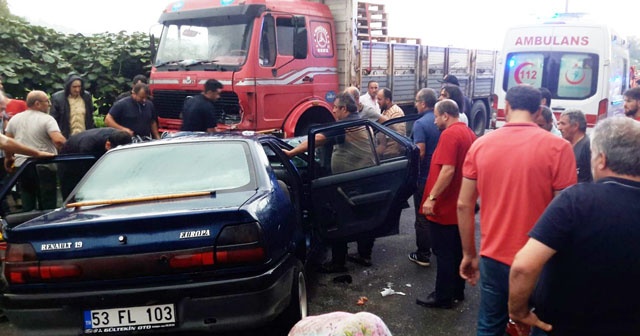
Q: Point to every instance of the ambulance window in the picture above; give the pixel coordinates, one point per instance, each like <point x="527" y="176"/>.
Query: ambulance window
<point x="268" y="42"/>
<point x="576" y="76"/>
<point x="525" y="68"/>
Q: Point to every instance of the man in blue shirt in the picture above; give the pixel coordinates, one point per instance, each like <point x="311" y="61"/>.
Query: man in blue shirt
<point x="425" y="136"/>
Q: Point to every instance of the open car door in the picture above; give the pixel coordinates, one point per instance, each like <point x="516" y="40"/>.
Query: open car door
<point x="39" y="186"/>
<point x="403" y="123"/>
<point x="363" y="174"/>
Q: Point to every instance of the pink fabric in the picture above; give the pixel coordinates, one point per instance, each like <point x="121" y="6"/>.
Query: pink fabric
<point x="341" y="324"/>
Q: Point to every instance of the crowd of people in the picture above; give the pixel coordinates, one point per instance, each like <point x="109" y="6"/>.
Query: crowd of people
<point x="558" y="214"/>
<point x="552" y="196"/>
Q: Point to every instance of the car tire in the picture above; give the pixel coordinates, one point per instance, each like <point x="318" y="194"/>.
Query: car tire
<point x="297" y="308"/>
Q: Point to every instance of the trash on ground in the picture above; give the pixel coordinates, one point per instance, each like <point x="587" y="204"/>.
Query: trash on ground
<point x="362" y="300"/>
<point x="408" y="285"/>
<point x="389" y="291"/>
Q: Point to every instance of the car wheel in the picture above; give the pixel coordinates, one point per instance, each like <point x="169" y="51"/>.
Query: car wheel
<point x="297" y="309"/>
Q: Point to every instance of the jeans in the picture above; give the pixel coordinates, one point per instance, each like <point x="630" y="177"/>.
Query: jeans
<point x="423" y="232"/>
<point x="494" y="295"/>
<point x="448" y="250"/>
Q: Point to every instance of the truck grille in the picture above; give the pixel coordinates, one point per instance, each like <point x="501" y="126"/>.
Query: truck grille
<point x="169" y="104"/>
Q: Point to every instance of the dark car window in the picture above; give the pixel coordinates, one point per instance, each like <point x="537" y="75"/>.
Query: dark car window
<point x="169" y="169"/>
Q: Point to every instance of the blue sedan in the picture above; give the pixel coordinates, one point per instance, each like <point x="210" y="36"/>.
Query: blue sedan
<point x="197" y="232"/>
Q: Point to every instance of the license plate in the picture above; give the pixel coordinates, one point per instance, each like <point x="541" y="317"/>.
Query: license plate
<point x="129" y="319"/>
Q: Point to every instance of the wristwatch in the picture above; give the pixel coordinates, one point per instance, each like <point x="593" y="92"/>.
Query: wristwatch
<point x="432" y="198"/>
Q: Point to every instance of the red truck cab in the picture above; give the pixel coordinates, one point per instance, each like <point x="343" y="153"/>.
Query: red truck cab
<point x="277" y="60"/>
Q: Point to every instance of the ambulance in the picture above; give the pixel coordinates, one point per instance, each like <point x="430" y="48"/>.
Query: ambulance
<point x="585" y="65"/>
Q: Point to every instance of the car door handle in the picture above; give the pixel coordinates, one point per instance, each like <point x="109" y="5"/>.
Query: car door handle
<point x="377" y="196"/>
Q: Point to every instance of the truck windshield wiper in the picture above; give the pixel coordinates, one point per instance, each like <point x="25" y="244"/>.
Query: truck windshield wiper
<point x="172" y="62"/>
<point x="141" y="199"/>
<point x="188" y="63"/>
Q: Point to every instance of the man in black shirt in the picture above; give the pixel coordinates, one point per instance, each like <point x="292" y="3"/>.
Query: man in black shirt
<point x="135" y="114"/>
<point x="96" y="142"/>
<point x="583" y="251"/>
<point x="200" y="113"/>
<point x="573" y="126"/>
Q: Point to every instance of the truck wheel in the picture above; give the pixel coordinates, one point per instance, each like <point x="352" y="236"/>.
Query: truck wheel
<point x="478" y="118"/>
<point x="312" y="117"/>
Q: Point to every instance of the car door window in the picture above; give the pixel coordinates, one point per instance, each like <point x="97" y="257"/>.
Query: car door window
<point x="346" y="149"/>
<point x="39" y="186"/>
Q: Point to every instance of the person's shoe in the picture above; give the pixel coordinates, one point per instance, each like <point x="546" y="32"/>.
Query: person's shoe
<point x="422" y="261"/>
<point x="431" y="302"/>
<point x="356" y="258"/>
<point x="330" y="267"/>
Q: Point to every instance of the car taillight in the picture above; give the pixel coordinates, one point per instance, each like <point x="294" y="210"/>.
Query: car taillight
<point x="22" y="266"/>
<point x="235" y="244"/>
<point x="494" y="102"/>
<point x="240" y="244"/>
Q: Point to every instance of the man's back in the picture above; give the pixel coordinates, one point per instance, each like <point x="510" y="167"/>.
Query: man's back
<point x="88" y="142"/>
<point x="518" y="168"/>
<point x="199" y="114"/>
<point x="591" y="283"/>
<point x="33" y="128"/>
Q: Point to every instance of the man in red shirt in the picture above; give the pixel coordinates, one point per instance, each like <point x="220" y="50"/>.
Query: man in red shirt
<point x="439" y="203"/>
<point x="516" y="171"/>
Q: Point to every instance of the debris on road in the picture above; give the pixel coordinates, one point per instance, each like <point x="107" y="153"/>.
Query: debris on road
<point x="362" y="300"/>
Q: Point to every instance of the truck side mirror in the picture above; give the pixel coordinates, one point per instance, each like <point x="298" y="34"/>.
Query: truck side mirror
<point x="300" y="44"/>
<point x="299" y="38"/>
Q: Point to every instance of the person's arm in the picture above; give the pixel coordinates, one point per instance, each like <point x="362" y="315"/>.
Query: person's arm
<point x="304" y="146"/>
<point x="90" y="123"/>
<point x="58" y="139"/>
<point x="423" y="149"/>
<point x="524" y="274"/>
<point x="466" y="224"/>
<point x="12" y="147"/>
<point x="154" y="130"/>
<point x="109" y="121"/>
<point x="444" y="179"/>
<point x="382" y="119"/>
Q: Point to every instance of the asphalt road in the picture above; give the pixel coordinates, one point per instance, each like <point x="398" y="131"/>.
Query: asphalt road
<point x="391" y="266"/>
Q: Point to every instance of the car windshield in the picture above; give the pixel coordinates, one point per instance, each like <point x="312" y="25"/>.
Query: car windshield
<point x="206" y="43"/>
<point x="170" y="168"/>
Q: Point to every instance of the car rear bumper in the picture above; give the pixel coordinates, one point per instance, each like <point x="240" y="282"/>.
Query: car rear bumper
<point x="203" y="306"/>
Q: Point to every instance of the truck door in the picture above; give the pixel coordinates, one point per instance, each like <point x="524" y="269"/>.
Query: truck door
<point x="282" y="79"/>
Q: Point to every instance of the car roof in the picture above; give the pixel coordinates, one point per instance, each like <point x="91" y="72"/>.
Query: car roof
<point x="186" y="137"/>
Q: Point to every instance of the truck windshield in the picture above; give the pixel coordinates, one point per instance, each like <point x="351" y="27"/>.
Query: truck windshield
<point x="206" y="44"/>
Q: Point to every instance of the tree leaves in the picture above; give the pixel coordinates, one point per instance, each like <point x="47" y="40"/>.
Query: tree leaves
<point x="39" y="58"/>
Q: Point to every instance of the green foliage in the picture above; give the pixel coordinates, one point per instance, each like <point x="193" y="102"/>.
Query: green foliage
<point x="38" y="58"/>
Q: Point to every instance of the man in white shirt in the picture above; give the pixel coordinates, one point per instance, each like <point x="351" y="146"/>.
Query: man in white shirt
<point x="370" y="98"/>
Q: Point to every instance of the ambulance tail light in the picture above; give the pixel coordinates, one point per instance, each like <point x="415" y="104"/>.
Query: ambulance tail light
<point x="602" y="109"/>
<point x="22" y="266"/>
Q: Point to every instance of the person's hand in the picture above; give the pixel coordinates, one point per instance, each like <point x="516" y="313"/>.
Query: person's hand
<point x="527" y="319"/>
<point x="427" y="207"/>
<point x="8" y="164"/>
<point x="128" y="131"/>
<point x="287" y="152"/>
<point x="469" y="269"/>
